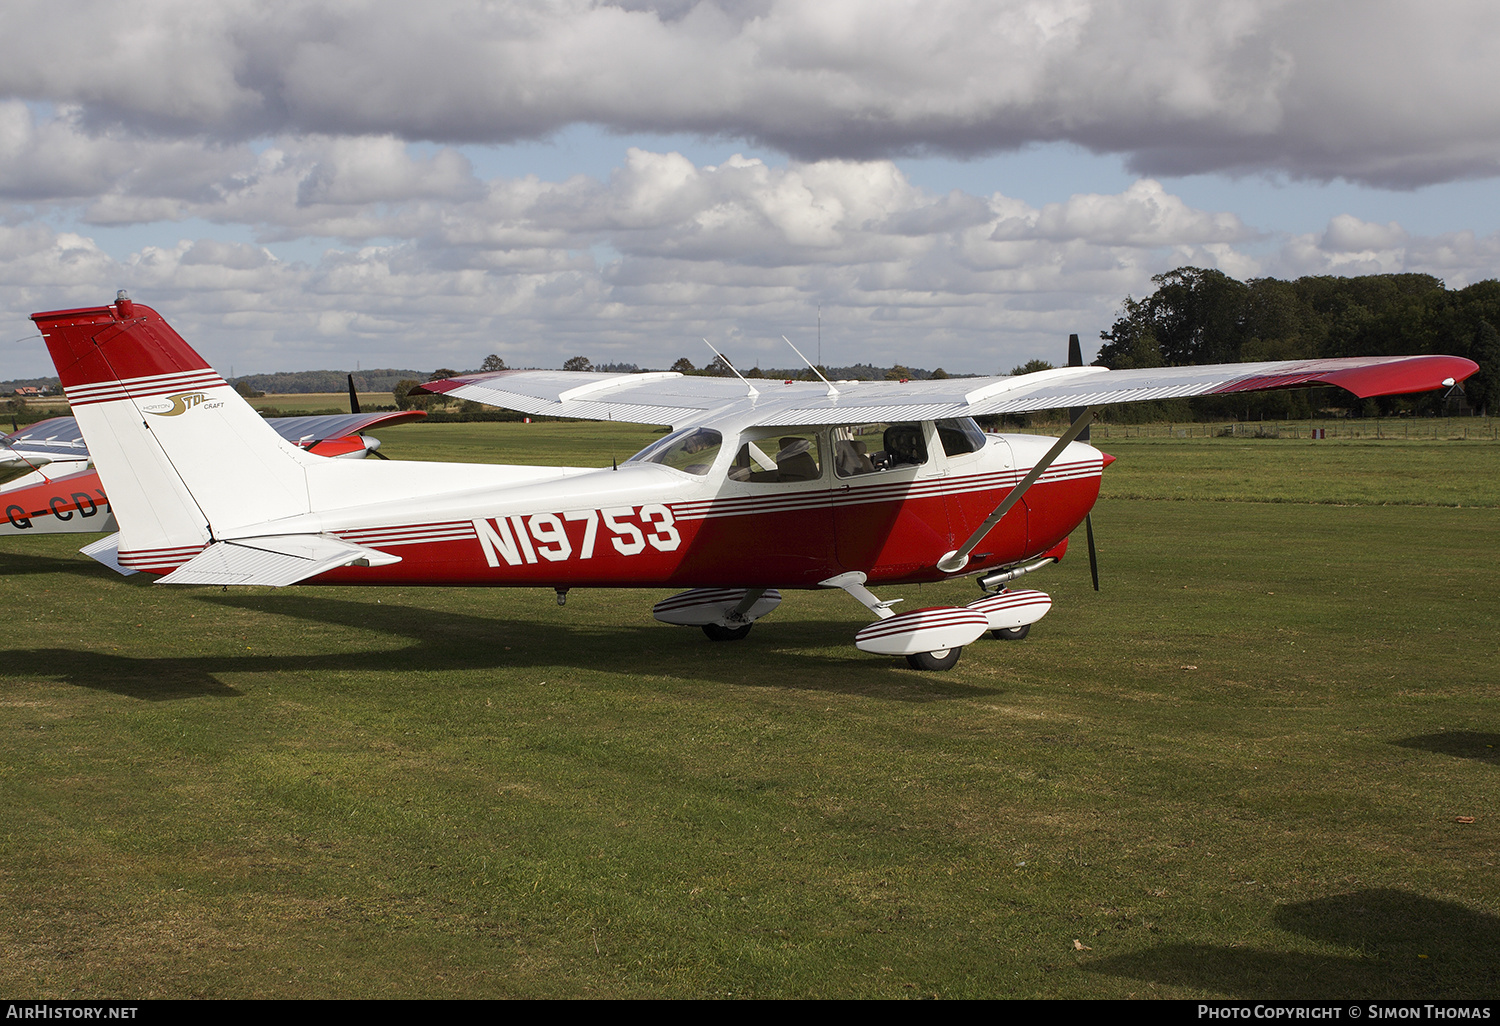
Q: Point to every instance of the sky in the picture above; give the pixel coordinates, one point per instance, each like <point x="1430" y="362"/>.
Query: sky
<point x="946" y="183"/>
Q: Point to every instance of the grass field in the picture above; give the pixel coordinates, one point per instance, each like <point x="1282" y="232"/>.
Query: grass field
<point x="1238" y="770"/>
<point x="301" y="403"/>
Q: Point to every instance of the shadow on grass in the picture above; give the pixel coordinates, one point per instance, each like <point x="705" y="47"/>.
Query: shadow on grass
<point x="1461" y="744"/>
<point x="18" y="564"/>
<point x="151" y="680"/>
<point x="445" y="641"/>
<point x="1404" y="946"/>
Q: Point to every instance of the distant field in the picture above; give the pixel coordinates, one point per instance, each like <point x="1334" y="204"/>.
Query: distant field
<point x="307" y="402"/>
<point x="1239" y="770"/>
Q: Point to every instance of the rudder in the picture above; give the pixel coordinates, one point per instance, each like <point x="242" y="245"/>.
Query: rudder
<point x="182" y="456"/>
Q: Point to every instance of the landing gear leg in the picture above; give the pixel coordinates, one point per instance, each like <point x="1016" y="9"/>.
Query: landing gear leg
<point x="898" y="635"/>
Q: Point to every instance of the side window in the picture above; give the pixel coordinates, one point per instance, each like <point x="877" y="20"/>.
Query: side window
<point x="871" y="448"/>
<point x="779" y="458"/>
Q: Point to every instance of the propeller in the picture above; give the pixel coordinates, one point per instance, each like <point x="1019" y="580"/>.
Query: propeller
<point x="1075" y="359"/>
<point x="354" y="408"/>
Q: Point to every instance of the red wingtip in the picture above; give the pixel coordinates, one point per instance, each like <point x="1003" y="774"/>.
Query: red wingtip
<point x="1418" y="374"/>
<point x="1382" y="375"/>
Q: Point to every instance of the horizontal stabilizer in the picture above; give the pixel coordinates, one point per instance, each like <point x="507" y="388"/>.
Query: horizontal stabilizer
<point x="107" y="551"/>
<point x="274" y="560"/>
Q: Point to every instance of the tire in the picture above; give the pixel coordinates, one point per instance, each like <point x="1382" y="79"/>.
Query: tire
<point x="717" y="633"/>
<point x="944" y="659"/>
<point x="1012" y="633"/>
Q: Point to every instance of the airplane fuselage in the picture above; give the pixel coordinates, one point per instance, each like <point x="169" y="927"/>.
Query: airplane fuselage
<point x="652" y="525"/>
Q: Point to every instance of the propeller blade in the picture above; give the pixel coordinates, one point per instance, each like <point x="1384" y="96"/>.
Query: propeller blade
<point x="1075" y="359"/>
<point x="353" y="396"/>
<point x="1088" y="526"/>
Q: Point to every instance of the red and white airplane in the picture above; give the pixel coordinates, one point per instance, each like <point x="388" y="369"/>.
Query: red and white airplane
<point x="759" y="486"/>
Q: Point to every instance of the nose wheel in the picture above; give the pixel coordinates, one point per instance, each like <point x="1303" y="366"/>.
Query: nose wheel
<point x="943" y="659"/>
<point x="718" y="633"/>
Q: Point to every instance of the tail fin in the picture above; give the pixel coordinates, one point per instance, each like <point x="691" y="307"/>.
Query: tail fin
<point x="182" y="456"/>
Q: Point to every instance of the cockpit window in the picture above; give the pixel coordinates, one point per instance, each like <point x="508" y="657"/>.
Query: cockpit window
<point x="960" y="436"/>
<point x="871" y="448"/>
<point x="691" y="450"/>
<point x="778" y="458"/>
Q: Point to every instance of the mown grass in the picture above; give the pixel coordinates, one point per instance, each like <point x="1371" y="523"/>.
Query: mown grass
<point x="1237" y="770"/>
<point x="301" y="403"/>
<point x="1331" y="471"/>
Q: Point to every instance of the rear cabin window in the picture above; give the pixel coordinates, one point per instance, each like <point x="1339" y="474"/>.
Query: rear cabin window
<point x="873" y="448"/>
<point x="691" y="450"/>
<point x="779" y="458"/>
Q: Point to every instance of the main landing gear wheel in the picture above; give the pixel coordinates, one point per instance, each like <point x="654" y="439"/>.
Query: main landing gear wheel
<point x="943" y="659"/>
<point x="718" y="633"/>
<point x="1011" y="633"/>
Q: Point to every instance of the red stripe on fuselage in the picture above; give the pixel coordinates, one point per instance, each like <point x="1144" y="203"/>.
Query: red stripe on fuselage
<point x="897" y="541"/>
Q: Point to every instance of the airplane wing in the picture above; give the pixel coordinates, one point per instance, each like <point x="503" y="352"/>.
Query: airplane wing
<point x="679" y="400"/>
<point x="15" y="464"/>
<point x="660" y="397"/>
<point x="309" y="431"/>
<point x="58" y="439"/>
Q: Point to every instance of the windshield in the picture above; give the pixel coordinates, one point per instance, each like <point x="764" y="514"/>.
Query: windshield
<point x="960" y="436"/>
<point x="691" y="450"/>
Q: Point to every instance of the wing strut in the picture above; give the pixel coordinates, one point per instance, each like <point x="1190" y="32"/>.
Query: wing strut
<point x="956" y="560"/>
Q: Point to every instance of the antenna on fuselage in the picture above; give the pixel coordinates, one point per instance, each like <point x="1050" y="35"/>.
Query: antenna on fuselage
<point x="832" y="392"/>
<point x="753" y="390"/>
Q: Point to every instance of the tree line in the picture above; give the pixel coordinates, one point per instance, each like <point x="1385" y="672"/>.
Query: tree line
<point x="1198" y="315"/>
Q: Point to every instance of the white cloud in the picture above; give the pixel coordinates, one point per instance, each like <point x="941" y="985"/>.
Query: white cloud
<point x="1372" y="90"/>
<point x="380" y="170"/>
<point x="1349" y="246"/>
<point x="1144" y="215"/>
<point x="634" y="268"/>
<point x="438" y="267"/>
<point x="1348" y="234"/>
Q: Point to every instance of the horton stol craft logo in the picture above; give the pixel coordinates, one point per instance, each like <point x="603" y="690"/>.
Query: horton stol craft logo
<point x="181" y="403"/>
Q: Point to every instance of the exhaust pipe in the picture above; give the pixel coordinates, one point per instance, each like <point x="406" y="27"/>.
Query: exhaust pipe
<point x="992" y="582"/>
